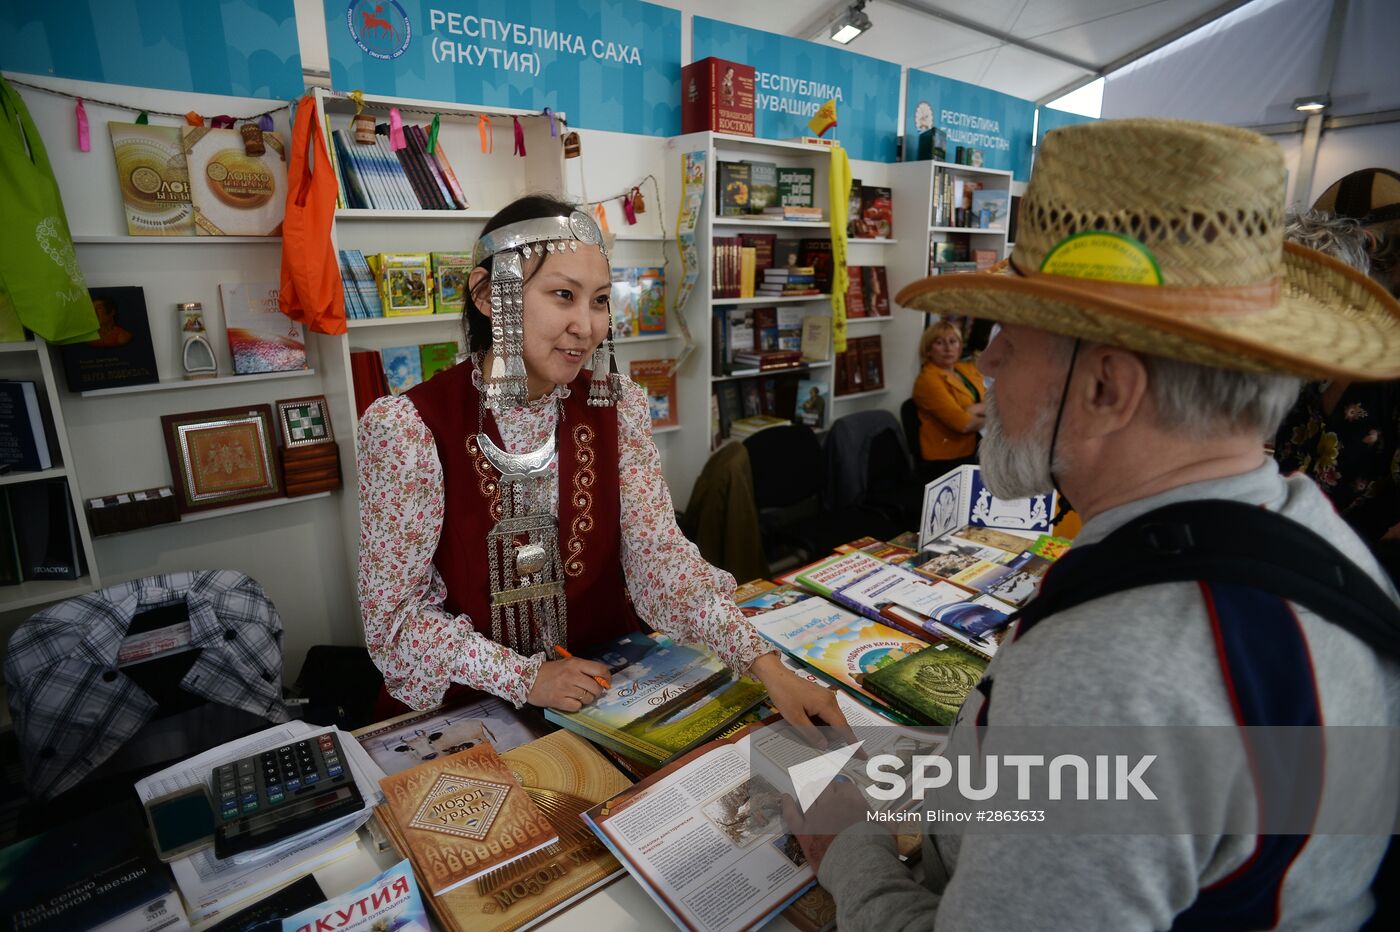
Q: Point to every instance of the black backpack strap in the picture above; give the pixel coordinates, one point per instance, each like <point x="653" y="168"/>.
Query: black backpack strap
<point x="1219" y="541"/>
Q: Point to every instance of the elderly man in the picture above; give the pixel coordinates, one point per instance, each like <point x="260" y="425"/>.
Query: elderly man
<point x="1154" y="329"/>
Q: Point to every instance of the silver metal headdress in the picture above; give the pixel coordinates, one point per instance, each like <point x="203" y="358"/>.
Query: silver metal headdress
<point x="508" y="247"/>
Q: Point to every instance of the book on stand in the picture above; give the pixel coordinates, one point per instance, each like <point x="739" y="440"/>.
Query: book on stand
<point x="260" y="337"/>
<point x="657" y="378"/>
<point x="122" y="354"/>
<point x="23" y="443"/>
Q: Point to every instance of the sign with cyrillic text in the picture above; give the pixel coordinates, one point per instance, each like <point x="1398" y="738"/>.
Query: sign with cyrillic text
<point x="238" y="48"/>
<point x="971" y="117"/>
<point x="794" y="78"/>
<point x="608" y="64"/>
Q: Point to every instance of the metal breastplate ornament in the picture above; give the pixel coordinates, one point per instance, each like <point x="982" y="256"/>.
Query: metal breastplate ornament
<point x="528" y="606"/>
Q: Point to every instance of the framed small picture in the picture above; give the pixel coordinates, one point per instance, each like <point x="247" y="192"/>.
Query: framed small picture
<point x="304" y="422"/>
<point x="223" y="457"/>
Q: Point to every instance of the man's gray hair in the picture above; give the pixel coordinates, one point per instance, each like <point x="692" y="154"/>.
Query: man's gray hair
<point x="1339" y="237"/>
<point x="1202" y="401"/>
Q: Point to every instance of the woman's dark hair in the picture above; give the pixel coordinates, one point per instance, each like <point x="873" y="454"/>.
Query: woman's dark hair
<point x="529" y="207"/>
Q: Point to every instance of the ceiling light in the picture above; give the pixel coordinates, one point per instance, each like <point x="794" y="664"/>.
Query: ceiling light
<point x="850" y="24"/>
<point x="1313" y="103"/>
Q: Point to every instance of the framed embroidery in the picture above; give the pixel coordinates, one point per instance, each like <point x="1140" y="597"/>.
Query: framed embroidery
<point x="304" y="422"/>
<point x="222" y="457"/>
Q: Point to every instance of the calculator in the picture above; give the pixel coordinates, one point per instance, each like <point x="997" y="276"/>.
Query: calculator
<point x="275" y="794"/>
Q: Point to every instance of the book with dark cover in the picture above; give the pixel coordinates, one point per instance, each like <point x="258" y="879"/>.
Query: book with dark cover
<point x="817" y="254"/>
<point x="795" y="186"/>
<point x="422" y="186"/>
<point x="872" y="363"/>
<point x="763" y="186"/>
<point x="46" y="530"/>
<point x="11" y="570"/>
<point x="82" y="875"/>
<point x="855" y="295"/>
<point x="463" y="816"/>
<point x="875" y="290"/>
<point x="929" y="685"/>
<point x="122" y="353"/>
<point x="418" y="141"/>
<point x="763" y="245"/>
<point x="717" y="95"/>
<point x="853" y="208"/>
<point x="876" y="213"/>
<point x="23" y="443"/>
<point x="733" y="191"/>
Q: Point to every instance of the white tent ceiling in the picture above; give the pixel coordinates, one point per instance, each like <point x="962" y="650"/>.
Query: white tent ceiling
<point x="1028" y="48"/>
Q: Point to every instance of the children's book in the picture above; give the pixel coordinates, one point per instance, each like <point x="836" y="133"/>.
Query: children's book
<point x="436" y="357"/>
<point x="406" y="283"/>
<point x="450" y="273"/>
<point x="403" y="367"/>
<point x="659" y="381"/>
<point x="664" y="698"/>
<point x="260" y="337"/>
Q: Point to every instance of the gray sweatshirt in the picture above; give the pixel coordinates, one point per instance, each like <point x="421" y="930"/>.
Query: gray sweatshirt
<point x="1144" y="657"/>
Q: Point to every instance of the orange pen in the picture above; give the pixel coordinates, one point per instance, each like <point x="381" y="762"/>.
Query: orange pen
<point x="568" y="656"/>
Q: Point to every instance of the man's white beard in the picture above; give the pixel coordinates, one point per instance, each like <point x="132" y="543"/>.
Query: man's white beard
<point x="1017" y="468"/>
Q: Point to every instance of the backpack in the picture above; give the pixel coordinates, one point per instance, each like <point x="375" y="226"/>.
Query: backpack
<point x="1250" y="548"/>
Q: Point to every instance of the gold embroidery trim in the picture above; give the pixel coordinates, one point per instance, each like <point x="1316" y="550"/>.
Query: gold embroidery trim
<point x="582" y="498"/>
<point x="486" y="477"/>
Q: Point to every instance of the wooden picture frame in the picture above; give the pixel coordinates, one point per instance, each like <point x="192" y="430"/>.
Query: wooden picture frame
<point x="304" y="422"/>
<point x="222" y="457"/>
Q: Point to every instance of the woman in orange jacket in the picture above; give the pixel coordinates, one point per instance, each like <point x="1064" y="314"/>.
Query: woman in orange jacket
<point x="949" y="395"/>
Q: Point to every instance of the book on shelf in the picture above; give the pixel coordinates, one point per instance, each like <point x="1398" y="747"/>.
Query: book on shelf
<point x="853" y="220"/>
<point x="260" y="337"/>
<point x="123" y="353"/>
<point x="431" y="189"/>
<point x="658" y="378"/>
<point x="354" y="309"/>
<point x="876" y="213"/>
<point x="985" y="258"/>
<point x="875" y="290"/>
<point x="639" y="300"/>
<point x="11" y="566"/>
<point x="765" y="322"/>
<point x="234" y="193"/>
<point x="855" y="294"/>
<point x="990" y="207"/>
<point x="389" y="900"/>
<point x="564" y="776"/>
<point x="766" y="360"/>
<point x="872" y="360"/>
<point x="375" y="176"/>
<point x="730" y="405"/>
<point x="815" y="341"/>
<point x="665" y="698"/>
<point x="795" y="188"/>
<point x="732" y="192"/>
<point x="929" y="686"/>
<point x="753" y="398"/>
<point x="763" y="185"/>
<point x="462" y="816"/>
<point x="405" y="283"/>
<point x="816" y="254"/>
<point x="366" y="284"/>
<point x="748" y="261"/>
<point x="436" y="357"/>
<point x="786" y="253"/>
<point x="403" y="367"/>
<point x="451" y="271"/>
<point x="763" y="245"/>
<point x="153" y="178"/>
<point x="46" y="530"/>
<point x="811" y="403"/>
<point x="24" y="444"/>
<point x="718" y="95"/>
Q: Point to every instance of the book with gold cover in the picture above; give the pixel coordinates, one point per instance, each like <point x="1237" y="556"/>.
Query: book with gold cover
<point x="564" y="775"/>
<point x="234" y="193"/>
<point x="462" y="816"/>
<point x="153" y="178"/>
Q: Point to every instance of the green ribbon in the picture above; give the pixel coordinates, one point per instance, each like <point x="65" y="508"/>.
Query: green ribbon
<point x="144" y="119"/>
<point x="432" y="134"/>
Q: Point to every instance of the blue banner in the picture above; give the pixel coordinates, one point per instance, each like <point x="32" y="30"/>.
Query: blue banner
<point x="1054" y="119"/>
<point x="240" y="48"/>
<point x="608" y="64"/>
<point x="972" y="117"/>
<point x="794" y="78"/>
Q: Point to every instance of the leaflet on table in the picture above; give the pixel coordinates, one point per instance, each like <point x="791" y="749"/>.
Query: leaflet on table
<point x="414" y="737"/>
<point x="896" y="585"/>
<point x="706" y="841"/>
<point x="389" y="901"/>
<point x="210" y="886"/>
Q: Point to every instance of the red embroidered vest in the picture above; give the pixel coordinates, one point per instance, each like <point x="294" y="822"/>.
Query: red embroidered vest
<point x="590" y="527"/>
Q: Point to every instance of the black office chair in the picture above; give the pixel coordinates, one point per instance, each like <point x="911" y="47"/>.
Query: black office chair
<point x="789" y="479"/>
<point x="909" y="418"/>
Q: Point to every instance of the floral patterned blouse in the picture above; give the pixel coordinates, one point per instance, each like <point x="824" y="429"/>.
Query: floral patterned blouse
<point x="1353" y="453"/>
<point x="422" y="648"/>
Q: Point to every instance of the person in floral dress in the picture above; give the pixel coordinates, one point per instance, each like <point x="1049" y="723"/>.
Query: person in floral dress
<point x="426" y="501"/>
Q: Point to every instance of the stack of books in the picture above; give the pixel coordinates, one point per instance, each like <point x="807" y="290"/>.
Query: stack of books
<point x="789" y="282"/>
<point x="375" y="176"/>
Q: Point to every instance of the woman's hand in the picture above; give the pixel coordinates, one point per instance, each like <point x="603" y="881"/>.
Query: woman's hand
<point x="567" y="685"/>
<point x="799" y="700"/>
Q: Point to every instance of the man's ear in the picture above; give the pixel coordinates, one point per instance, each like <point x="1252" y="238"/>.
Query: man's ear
<point x="478" y="286"/>
<point x="1112" y="387"/>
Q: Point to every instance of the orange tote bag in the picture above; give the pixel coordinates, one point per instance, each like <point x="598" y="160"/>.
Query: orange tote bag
<point x="311" y="286"/>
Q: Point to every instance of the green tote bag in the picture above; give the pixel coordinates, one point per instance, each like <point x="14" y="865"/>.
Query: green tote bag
<point x="37" y="264"/>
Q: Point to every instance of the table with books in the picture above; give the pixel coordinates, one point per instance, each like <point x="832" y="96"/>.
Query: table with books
<point x="658" y="803"/>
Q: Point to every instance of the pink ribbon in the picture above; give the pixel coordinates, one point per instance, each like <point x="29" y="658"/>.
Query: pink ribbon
<point x="84" y="139"/>
<point x="221" y="122"/>
<point x="553" y="127"/>
<point x="519" y="137"/>
<point x="396" y="140"/>
<point x="628" y="212"/>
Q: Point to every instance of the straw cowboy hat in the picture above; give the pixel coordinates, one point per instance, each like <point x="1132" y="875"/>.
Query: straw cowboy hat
<point x="1166" y="237"/>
